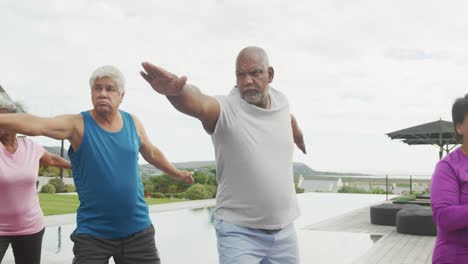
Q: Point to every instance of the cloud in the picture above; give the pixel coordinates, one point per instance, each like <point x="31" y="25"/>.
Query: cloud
<point x="409" y="54"/>
<point x="353" y="70"/>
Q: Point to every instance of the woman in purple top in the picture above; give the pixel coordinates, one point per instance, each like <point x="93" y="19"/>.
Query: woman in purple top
<point x="449" y="194"/>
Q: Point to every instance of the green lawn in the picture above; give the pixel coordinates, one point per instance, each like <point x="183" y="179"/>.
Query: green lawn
<point x="54" y="204"/>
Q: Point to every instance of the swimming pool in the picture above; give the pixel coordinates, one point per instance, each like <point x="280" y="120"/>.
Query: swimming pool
<point x="188" y="236"/>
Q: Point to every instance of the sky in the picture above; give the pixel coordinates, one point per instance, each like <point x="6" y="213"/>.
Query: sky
<point x="352" y="70"/>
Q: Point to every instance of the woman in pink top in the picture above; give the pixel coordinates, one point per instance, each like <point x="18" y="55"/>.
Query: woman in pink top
<point x="449" y="195"/>
<point x="21" y="218"/>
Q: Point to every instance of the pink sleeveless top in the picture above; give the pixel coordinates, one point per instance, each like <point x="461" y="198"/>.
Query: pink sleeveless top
<point x="20" y="213"/>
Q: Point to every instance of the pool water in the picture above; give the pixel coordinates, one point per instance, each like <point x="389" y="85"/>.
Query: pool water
<point x="188" y="236"/>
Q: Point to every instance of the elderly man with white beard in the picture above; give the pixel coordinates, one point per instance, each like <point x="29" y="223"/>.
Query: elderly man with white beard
<point x="253" y="133"/>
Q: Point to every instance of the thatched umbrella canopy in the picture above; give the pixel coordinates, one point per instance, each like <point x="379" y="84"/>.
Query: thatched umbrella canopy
<point x="3" y="93"/>
<point x="439" y="133"/>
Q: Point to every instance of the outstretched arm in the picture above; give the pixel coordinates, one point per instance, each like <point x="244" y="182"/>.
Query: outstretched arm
<point x="188" y="99"/>
<point x="156" y="158"/>
<point x="59" y="127"/>
<point x="50" y="159"/>
<point x="297" y="135"/>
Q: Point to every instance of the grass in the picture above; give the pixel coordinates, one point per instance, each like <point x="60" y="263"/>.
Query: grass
<point x="55" y="204"/>
<point x="403" y="185"/>
<point x="153" y="201"/>
<point x="406" y="198"/>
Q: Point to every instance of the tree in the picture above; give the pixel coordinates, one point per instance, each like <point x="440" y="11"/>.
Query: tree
<point x="148" y="187"/>
<point x="197" y="192"/>
<point x="200" y="177"/>
<point x="172" y="188"/>
<point x="162" y="184"/>
<point x="212" y="180"/>
<point x="212" y="189"/>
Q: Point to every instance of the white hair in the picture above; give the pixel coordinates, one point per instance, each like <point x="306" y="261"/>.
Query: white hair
<point x="254" y="51"/>
<point x="10" y="106"/>
<point x="111" y="72"/>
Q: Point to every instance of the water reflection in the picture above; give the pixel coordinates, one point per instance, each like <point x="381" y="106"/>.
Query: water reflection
<point x="209" y="210"/>
<point x="56" y="239"/>
<point x="59" y="235"/>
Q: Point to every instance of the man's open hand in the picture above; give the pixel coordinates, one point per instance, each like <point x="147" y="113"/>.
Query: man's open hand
<point x="162" y="81"/>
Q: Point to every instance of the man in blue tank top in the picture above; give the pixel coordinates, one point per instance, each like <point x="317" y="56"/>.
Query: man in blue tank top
<point x="113" y="218"/>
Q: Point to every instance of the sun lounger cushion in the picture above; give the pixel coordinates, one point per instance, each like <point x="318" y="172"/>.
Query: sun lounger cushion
<point x="416" y="221"/>
<point x="385" y="214"/>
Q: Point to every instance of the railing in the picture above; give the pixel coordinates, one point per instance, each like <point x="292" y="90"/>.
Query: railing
<point x="416" y="184"/>
<point x="382" y="184"/>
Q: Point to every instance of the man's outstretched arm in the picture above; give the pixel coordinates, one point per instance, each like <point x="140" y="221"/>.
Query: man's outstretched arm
<point x="188" y="99"/>
<point x="155" y="157"/>
<point x="59" y="127"/>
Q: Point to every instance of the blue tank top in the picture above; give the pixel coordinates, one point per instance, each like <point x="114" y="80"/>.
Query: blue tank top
<point x="108" y="182"/>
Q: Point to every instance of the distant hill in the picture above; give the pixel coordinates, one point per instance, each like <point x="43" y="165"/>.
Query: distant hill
<point x="149" y="169"/>
<point x="302" y="169"/>
<point x="298" y="169"/>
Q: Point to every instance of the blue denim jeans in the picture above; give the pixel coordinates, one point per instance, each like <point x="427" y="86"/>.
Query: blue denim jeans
<point x="241" y="245"/>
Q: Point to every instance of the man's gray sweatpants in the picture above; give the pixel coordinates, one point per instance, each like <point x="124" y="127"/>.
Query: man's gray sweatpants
<point x="136" y="248"/>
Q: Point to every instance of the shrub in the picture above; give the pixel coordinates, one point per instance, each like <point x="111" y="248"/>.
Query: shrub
<point x="354" y="189"/>
<point x="48" y="188"/>
<point x="148" y="187"/>
<point x="172" y="188"/>
<point x="211" y="189"/>
<point x="378" y="191"/>
<point x="167" y="195"/>
<point x="58" y="184"/>
<point x="197" y="192"/>
<point x="298" y="189"/>
<point x="179" y="195"/>
<point x="156" y="195"/>
<point x="405" y="192"/>
<point x="68" y="173"/>
<point x="406" y="198"/>
<point x="69" y="188"/>
<point x="200" y="177"/>
<point x="49" y="171"/>
<point x="212" y="180"/>
<point x="426" y="191"/>
<point x="351" y="189"/>
<point x="162" y="183"/>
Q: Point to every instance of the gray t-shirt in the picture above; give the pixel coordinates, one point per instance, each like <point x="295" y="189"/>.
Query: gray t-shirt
<point x="254" y="152"/>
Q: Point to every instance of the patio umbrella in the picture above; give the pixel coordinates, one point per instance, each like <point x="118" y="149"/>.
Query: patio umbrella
<point x="439" y="133"/>
<point x="4" y="94"/>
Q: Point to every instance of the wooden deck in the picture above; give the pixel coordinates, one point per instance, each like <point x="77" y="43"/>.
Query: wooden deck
<point x="393" y="247"/>
<point x="398" y="248"/>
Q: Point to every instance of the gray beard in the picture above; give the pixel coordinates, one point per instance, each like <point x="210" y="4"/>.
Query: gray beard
<point x="253" y="99"/>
